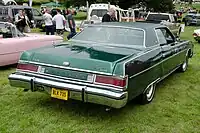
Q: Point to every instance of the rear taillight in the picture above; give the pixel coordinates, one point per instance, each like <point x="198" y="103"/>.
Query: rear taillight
<point x="195" y="34"/>
<point x="112" y="81"/>
<point x="27" y="67"/>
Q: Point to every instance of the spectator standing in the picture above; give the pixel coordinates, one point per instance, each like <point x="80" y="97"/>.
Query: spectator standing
<point x="20" y="21"/>
<point x="48" y="23"/>
<point x="60" y="22"/>
<point x="72" y="25"/>
<point x="109" y="16"/>
<point x="27" y="28"/>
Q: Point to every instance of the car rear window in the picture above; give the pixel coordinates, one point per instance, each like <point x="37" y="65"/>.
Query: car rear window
<point x="3" y="11"/>
<point x="112" y="35"/>
<point x="98" y="12"/>
<point x="158" y="17"/>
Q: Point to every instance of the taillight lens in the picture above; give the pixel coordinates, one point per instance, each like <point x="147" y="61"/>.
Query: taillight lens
<point x="28" y="67"/>
<point x="195" y="34"/>
<point x="113" y="81"/>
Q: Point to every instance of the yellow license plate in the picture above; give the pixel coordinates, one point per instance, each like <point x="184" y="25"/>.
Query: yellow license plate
<point x="59" y="94"/>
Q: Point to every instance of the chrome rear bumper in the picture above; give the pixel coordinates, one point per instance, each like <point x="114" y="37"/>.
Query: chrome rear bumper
<point x="111" y="98"/>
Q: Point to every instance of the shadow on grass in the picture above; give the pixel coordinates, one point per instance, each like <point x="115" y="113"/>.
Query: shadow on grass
<point x="85" y="109"/>
<point x="95" y="109"/>
<point x="8" y="67"/>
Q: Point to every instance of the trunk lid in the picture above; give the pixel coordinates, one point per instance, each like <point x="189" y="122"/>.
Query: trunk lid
<point x="87" y="58"/>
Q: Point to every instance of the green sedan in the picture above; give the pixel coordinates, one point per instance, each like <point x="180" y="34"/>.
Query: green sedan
<point x="108" y="64"/>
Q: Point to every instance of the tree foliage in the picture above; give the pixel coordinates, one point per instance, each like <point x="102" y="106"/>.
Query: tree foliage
<point x="160" y="5"/>
<point x="153" y="5"/>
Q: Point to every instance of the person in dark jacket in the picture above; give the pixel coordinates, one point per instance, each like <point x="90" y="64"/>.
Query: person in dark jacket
<point x="72" y="25"/>
<point x="110" y="16"/>
<point x="20" y="21"/>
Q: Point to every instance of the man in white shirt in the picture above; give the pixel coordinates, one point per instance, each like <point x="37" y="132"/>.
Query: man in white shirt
<point x="60" y="22"/>
<point x="48" y="22"/>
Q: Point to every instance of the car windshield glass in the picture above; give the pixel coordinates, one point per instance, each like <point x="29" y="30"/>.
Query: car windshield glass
<point x="98" y="12"/>
<point x="112" y="35"/>
<point x="9" y="31"/>
<point x="157" y="17"/>
<point x="27" y="11"/>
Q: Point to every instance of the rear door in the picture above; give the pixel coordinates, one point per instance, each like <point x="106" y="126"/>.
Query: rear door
<point x="167" y="42"/>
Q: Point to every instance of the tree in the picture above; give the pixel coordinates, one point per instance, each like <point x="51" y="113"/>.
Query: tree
<point x="160" y="5"/>
<point x="156" y="5"/>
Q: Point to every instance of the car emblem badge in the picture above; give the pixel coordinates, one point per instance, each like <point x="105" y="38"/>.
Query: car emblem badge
<point x="66" y="63"/>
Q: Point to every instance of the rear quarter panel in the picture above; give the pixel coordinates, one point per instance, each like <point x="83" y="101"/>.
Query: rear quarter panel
<point x="142" y="69"/>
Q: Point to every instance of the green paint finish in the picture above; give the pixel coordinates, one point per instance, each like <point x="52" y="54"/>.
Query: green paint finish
<point x="99" y="58"/>
<point x="66" y="73"/>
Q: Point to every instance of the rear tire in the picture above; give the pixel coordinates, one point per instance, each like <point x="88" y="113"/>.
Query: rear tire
<point x="148" y="95"/>
<point x="179" y="32"/>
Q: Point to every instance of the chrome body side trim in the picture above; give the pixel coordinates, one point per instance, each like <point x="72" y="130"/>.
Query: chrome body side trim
<point x="134" y="57"/>
<point x="155" y="81"/>
<point x="156" y="64"/>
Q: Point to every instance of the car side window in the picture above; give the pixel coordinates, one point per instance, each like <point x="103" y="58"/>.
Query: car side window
<point x="161" y="37"/>
<point x="168" y="37"/>
<point x="36" y="12"/>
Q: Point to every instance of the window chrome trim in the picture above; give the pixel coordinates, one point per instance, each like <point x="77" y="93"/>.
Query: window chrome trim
<point x="124" y="27"/>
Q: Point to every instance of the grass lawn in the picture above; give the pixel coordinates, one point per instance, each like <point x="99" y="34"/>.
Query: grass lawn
<point x="176" y="108"/>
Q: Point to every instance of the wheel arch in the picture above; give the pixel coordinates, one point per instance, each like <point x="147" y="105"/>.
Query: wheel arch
<point x="189" y="53"/>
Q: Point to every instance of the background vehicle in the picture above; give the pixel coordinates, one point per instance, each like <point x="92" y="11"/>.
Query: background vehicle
<point x="196" y="35"/>
<point x="13" y="42"/>
<point x="7" y="2"/>
<point x="187" y="17"/>
<point x="7" y="14"/>
<point x="100" y="9"/>
<point x="192" y="19"/>
<point x="165" y="19"/>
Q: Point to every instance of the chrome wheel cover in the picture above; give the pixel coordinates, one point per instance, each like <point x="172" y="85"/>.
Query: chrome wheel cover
<point x="150" y="92"/>
<point x="184" y="66"/>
